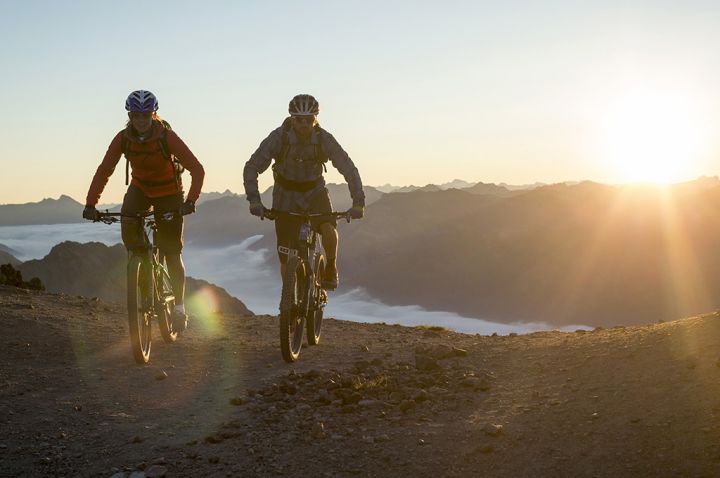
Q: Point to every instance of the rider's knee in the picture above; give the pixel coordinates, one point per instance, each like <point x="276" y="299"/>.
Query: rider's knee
<point x="327" y="228"/>
<point x="132" y="234"/>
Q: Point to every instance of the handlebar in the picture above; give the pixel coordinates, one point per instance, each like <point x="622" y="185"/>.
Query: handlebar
<point x="271" y="214"/>
<point x="112" y="217"/>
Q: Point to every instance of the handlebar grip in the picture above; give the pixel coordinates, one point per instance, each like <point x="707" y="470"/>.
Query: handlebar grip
<point x="268" y="213"/>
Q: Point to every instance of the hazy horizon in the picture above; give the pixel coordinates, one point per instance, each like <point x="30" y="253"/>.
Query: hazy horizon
<point x="240" y="192"/>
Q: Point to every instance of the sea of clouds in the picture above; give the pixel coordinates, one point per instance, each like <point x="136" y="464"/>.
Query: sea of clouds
<point x="250" y="276"/>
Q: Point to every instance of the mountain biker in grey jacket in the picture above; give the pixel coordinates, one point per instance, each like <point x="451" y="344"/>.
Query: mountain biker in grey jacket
<point x="300" y="148"/>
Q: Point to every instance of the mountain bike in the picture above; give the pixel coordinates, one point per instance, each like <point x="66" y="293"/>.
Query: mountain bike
<point x="149" y="290"/>
<point x="303" y="299"/>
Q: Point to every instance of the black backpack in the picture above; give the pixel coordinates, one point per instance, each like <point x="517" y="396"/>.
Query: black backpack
<point x="162" y="147"/>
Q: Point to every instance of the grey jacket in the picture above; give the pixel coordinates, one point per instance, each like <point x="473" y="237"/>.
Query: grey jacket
<point x="299" y="165"/>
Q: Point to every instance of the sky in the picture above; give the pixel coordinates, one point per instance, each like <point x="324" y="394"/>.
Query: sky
<point x="416" y="92"/>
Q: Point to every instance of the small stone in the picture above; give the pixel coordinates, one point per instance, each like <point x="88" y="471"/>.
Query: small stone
<point x="213" y="439"/>
<point x="350" y="408"/>
<point x="460" y="352"/>
<point x="159" y="461"/>
<point x="162" y="375"/>
<point x="425" y="363"/>
<point x="318" y="430"/>
<point x="421" y="396"/>
<point x="311" y="374"/>
<point x="595" y="416"/>
<point x="370" y="403"/>
<point x="137" y="439"/>
<point x="156" y="471"/>
<point x="486" y="448"/>
<point x="237" y="401"/>
<point x="421" y="442"/>
<point x="492" y="429"/>
<point x="382" y="438"/>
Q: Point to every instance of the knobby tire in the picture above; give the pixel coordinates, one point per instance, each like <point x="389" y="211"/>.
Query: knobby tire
<point x="164" y="305"/>
<point x="139" y="294"/>
<point x="317" y="305"/>
<point x="291" y="317"/>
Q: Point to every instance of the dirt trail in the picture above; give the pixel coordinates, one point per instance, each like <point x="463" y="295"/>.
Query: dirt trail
<point x="371" y="400"/>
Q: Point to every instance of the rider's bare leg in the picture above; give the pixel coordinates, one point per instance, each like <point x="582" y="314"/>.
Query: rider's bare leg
<point x="176" y="269"/>
<point x="330" y="243"/>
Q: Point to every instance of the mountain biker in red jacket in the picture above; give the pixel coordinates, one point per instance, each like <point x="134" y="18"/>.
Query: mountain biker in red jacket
<point x="150" y="145"/>
<point x="300" y="148"/>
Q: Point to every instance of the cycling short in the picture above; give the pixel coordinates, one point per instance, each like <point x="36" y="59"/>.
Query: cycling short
<point x="170" y="233"/>
<point x="287" y="228"/>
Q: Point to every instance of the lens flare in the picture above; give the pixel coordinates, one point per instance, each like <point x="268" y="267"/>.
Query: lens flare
<point x="204" y="307"/>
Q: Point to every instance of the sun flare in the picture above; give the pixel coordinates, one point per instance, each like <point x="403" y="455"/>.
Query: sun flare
<point x="653" y="136"/>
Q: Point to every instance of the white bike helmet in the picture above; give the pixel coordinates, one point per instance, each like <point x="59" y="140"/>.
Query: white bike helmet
<point x="141" y="101"/>
<point x="304" y="105"/>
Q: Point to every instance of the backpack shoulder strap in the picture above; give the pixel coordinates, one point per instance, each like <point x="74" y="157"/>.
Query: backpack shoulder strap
<point x="163" y="143"/>
<point x="320" y="156"/>
<point x="284" y="140"/>
<point x="125" y="145"/>
<point x="178" y="169"/>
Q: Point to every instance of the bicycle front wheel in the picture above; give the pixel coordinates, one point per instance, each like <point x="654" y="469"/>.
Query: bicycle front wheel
<point x="292" y="320"/>
<point x="317" y="306"/>
<point x="164" y="305"/>
<point x="139" y="305"/>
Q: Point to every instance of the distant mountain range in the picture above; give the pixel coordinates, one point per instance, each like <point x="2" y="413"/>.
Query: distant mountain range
<point x="63" y="210"/>
<point x="582" y="253"/>
<point x="204" y="197"/>
<point x="96" y="270"/>
<point x="66" y="210"/>
<point x="564" y="254"/>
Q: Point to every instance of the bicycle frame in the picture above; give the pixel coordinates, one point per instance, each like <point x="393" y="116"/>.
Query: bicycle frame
<point x="303" y="298"/>
<point x="150" y="293"/>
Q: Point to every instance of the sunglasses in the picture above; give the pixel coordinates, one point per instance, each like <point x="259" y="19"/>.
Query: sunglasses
<point x="140" y="115"/>
<point x="304" y="119"/>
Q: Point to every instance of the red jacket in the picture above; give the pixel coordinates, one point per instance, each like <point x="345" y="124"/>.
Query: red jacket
<point x="151" y="171"/>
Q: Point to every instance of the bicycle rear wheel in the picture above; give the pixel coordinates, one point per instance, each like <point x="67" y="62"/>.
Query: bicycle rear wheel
<point x="164" y="305"/>
<point x="317" y="306"/>
<point x="140" y="297"/>
<point x="292" y="321"/>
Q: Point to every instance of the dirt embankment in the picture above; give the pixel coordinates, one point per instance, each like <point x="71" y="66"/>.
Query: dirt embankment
<point x="370" y="400"/>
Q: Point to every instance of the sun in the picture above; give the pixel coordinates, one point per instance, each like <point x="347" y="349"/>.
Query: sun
<point x="652" y="136"/>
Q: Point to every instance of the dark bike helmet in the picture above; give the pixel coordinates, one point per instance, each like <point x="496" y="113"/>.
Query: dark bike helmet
<point x="304" y="105"/>
<point x="141" y="101"/>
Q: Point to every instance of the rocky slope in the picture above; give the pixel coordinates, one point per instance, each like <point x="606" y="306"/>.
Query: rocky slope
<point x="370" y="400"/>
